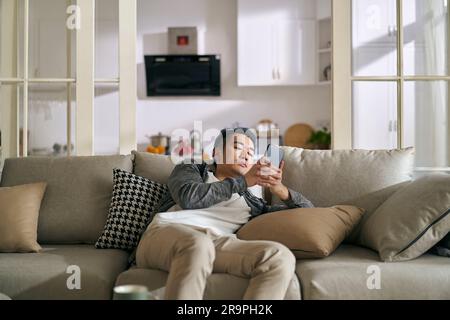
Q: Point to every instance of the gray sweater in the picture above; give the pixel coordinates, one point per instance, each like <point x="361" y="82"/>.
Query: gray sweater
<point x="188" y="188"/>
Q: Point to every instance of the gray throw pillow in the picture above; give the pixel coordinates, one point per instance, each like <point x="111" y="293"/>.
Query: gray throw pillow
<point x="370" y="203"/>
<point x="411" y="221"/>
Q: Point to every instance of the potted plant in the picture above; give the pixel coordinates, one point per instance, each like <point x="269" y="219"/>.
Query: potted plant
<point x="321" y="139"/>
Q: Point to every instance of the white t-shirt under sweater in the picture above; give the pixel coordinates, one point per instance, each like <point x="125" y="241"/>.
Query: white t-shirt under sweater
<point x="223" y="218"/>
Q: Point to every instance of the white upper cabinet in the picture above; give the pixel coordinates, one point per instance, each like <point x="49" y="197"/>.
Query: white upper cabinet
<point x="295" y="52"/>
<point x="374" y="39"/>
<point x="256" y="56"/>
<point x="374" y="23"/>
<point x="276" y="42"/>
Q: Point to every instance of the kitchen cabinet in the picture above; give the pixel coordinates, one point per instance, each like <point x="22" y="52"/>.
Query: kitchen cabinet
<point x="374" y="23"/>
<point x="256" y="56"/>
<point x="294" y="50"/>
<point x="276" y="48"/>
<point x="374" y="38"/>
<point x="374" y="115"/>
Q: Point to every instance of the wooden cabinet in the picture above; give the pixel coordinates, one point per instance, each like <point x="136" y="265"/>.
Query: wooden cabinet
<point x="275" y="47"/>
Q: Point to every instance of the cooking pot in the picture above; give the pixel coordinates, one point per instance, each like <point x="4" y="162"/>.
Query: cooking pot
<point x="159" y="140"/>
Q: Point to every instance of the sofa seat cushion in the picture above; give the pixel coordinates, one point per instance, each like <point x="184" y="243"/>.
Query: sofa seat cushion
<point x="44" y="275"/>
<point x="350" y="271"/>
<point x="220" y="286"/>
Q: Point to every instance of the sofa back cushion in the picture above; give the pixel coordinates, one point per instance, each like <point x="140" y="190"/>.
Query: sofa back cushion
<point x="78" y="194"/>
<point x="151" y="166"/>
<point x="333" y="177"/>
<point x="159" y="167"/>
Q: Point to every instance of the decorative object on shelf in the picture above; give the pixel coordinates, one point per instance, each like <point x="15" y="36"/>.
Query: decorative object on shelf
<point x="57" y="148"/>
<point x="328" y="44"/>
<point x="182" y="148"/>
<point x="266" y="128"/>
<point x="321" y="139"/>
<point x="235" y="125"/>
<point x="267" y="132"/>
<point x="182" y="40"/>
<point x="298" y="135"/>
<point x="266" y="125"/>
<point x="191" y="148"/>
<point x="71" y="148"/>
<point x="327" y="73"/>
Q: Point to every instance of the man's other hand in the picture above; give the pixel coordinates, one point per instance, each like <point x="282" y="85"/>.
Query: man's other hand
<point x="272" y="178"/>
<point x="269" y="176"/>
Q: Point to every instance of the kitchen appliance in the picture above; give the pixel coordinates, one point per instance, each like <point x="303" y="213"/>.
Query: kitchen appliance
<point x="183" y="75"/>
<point x="159" y="140"/>
<point x="182" y="40"/>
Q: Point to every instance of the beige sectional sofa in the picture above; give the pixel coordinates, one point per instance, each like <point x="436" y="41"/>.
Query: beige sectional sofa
<point x="75" y="207"/>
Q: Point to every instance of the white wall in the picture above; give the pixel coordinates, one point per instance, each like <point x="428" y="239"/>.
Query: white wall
<point x="216" y="21"/>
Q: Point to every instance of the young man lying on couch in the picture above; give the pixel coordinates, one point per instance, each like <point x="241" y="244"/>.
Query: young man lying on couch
<point x="193" y="234"/>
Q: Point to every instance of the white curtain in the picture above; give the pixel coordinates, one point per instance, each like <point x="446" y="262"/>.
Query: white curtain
<point x="432" y="119"/>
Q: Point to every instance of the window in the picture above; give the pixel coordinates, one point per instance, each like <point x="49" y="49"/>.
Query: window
<point x="393" y="91"/>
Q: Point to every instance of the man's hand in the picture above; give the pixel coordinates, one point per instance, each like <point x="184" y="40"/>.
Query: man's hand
<point x="272" y="179"/>
<point x="253" y="176"/>
<point x="268" y="176"/>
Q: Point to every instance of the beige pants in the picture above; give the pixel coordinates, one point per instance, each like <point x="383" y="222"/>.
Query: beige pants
<point x="191" y="254"/>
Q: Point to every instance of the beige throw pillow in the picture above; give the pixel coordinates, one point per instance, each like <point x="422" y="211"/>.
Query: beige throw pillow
<point x="307" y="232"/>
<point x="19" y="213"/>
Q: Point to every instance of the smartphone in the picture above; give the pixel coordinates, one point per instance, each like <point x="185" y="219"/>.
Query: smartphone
<point x="275" y="154"/>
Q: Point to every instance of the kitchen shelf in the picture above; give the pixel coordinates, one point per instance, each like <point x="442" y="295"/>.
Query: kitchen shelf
<point x="324" y="47"/>
<point x="324" y="19"/>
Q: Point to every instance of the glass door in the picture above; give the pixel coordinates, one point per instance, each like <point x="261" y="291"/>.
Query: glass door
<point x="67" y="76"/>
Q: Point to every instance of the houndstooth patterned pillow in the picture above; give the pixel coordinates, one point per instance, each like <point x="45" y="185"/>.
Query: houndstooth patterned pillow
<point x="133" y="201"/>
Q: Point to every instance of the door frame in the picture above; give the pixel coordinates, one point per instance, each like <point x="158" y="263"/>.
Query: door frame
<point x="343" y="78"/>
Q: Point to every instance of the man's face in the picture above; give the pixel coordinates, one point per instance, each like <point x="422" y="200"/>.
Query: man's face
<point x="239" y="154"/>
